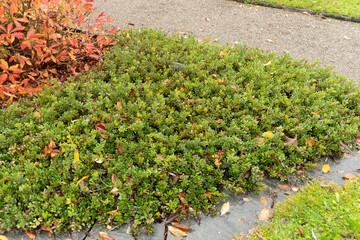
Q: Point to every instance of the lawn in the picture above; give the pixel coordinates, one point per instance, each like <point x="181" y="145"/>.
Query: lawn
<point x="349" y="8"/>
<point x="320" y="211"/>
<point x="160" y="127"/>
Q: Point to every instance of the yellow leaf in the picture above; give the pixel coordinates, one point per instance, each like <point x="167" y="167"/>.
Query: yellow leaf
<point x="113" y="212"/>
<point x="177" y="231"/>
<point x="326" y="168"/>
<point x="2" y="237"/>
<point x="268" y="134"/>
<point x="349" y="176"/>
<point x="310" y="142"/>
<point x="82" y="179"/>
<point x="225" y="208"/>
<point x="76" y="156"/>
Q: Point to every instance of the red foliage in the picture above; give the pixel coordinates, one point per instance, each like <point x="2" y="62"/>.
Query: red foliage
<point x="40" y="39"/>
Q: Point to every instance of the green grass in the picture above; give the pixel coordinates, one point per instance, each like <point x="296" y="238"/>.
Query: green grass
<point x="325" y="212"/>
<point x="349" y="8"/>
<point x="160" y="127"/>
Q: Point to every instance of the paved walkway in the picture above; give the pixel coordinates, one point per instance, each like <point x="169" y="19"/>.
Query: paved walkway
<point x="331" y="41"/>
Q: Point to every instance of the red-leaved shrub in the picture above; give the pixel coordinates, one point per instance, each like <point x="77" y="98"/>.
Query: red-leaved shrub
<point x="43" y="39"/>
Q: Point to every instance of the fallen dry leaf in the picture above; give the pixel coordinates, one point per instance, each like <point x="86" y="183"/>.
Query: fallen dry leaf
<point x="119" y="149"/>
<point x="76" y="156"/>
<point x="325" y="168"/>
<point x="260" y="139"/>
<point x="114" y="178"/>
<point x="119" y="106"/>
<point x="160" y="156"/>
<point x="349" y="176"/>
<point x="310" y="142"/>
<point x="246" y="199"/>
<point x="301" y="232"/>
<point x="100" y="127"/>
<point x="263" y="200"/>
<point x="177" y="231"/>
<point x="295" y="189"/>
<point x="225" y="208"/>
<point x="182" y="226"/>
<point x="82" y="179"/>
<point x="48" y="229"/>
<point x="241" y="220"/>
<point x="258" y="234"/>
<point x="291" y="141"/>
<point x="105" y="236"/>
<point x="2" y="237"/>
<point x="115" y="191"/>
<point x="265" y="214"/>
<point x="347" y="155"/>
<point x="287" y="187"/>
<point x="287" y="193"/>
<point x="30" y="235"/>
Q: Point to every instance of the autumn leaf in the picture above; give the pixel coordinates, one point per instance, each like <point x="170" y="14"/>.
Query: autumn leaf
<point x="259" y="139"/>
<point x="48" y="229"/>
<point x="326" y="168"/>
<point x="295" y="189"/>
<point x="182" y="226"/>
<point x="119" y="106"/>
<point x="301" y="232"/>
<point x="100" y="127"/>
<point x="114" y="178"/>
<point x="349" y="176"/>
<point x="268" y="134"/>
<point x="177" y="231"/>
<point x="315" y="113"/>
<point x="310" y="142"/>
<point x="115" y="191"/>
<point x="246" y="199"/>
<point x="225" y="208"/>
<point x="291" y="141"/>
<point x="30" y="235"/>
<point x="160" y="156"/>
<point x="265" y="214"/>
<point x="263" y="200"/>
<point x="76" y="156"/>
<point x="2" y="237"/>
<point x="208" y="194"/>
<point x="241" y="220"/>
<point x="113" y="212"/>
<point x="287" y="187"/>
<point x="105" y="236"/>
<point x="258" y="234"/>
<point x="82" y="179"/>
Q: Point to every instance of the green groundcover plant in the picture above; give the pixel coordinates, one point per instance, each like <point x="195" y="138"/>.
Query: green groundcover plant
<point x="349" y="8"/>
<point x="160" y="127"/>
<point x="320" y="211"/>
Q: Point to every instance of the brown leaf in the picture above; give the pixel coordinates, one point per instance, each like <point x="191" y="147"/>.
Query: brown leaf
<point x="258" y="234"/>
<point x="52" y="144"/>
<point x="247" y="173"/>
<point x="208" y="194"/>
<point x="177" y="231"/>
<point x="114" y="178"/>
<point x="30" y="235"/>
<point x="349" y="176"/>
<point x="287" y="187"/>
<point x="291" y="141"/>
<point x="119" y="149"/>
<point x="181" y="226"/>
<point x="115" y="191"/>
<point x="287" y="193"/>
<point x="225" y="208"/>
<point x="119" y="106"/>
<point x="160" y="156"/>
<point x="263" y="200"/>
<point x="132" y="93"/>
<point x="219" y="121"/>
<point x="246" y="199"/>
<point x="48" y="229"/>
<point x="301" y="232"/>
<point x="105" y="236"/>
<point x="260" y="139"/>
<point x="100" y="127"/>
<point x="265" y="214"/>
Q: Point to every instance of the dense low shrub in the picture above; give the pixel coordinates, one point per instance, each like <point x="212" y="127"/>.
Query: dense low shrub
<point x="160" y="127"/>
<point x="40" y="40"/>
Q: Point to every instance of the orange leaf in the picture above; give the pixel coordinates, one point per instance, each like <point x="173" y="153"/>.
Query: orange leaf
<point x="177" y="231"/>
<point x="301" y="232"/>
<point x="37" y="35"/>
<point x="30" y="235"/>
<point x="48" y="229"/>
<point x="349" y="176"/>
<point x="105" y="236"/>
<point x="181" y="226"/>
<point x="265" y="214"/>
<point x="258" y="234"/>
<point x="287" y="187"/>
<point x="310" y="142"/>
<point x="263" y="200"/>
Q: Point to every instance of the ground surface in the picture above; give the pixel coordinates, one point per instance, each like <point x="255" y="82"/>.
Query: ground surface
<point x="305" y="37"/>
<point x="331" y="41"/>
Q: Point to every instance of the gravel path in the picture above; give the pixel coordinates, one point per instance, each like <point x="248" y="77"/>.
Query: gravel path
<point x="333" y="42"/>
